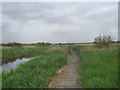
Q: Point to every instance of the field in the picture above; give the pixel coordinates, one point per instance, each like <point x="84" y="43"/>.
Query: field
<point x="99" y="67"/>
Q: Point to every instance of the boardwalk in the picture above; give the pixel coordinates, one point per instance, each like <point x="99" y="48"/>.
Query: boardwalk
<point x="70" y="77"/>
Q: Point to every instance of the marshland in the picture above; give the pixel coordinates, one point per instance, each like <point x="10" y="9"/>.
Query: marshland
<point x="97" y="67"/>
<point x="59" y="44"/>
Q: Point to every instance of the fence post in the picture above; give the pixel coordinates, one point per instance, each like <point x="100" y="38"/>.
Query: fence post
<point x="78" y="49"/>
<point x="69" y="49"/>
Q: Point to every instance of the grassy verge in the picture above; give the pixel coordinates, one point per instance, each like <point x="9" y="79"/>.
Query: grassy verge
<point x="36" y="73"/>
<point x="99" y="68"/>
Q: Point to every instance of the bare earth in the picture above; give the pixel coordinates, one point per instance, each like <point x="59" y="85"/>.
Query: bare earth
<point x="67" y="76"/>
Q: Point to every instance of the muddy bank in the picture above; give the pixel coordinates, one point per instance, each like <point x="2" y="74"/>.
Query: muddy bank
<point x="5" y="60"/>
<point x="13" y="65"/>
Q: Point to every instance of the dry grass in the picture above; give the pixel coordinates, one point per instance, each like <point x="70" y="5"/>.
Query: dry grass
<point x="58" y="48"/>
<point x="92" y="48"/>
<point x="84" y="44"/>
<point x="5" y="47"/>
<point x="8" y="47"/>
<point x="29" y="46"/>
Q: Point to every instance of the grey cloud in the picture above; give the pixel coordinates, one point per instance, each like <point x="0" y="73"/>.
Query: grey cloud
<point x="63" y="22"/>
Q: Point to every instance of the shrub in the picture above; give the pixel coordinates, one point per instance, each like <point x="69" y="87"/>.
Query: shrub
<point x="103" y="41"/>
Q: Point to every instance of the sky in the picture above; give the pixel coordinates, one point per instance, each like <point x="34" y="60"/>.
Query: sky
<point x="54" y="22"/>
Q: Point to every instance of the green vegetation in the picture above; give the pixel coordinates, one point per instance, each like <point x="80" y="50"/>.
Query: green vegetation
<point x="103" y="41"/>
<point x="99" y="68"/>
<point x="0" y="54"/>
<point x="7" y="53"/>
<point x="119" y="66"/>
<point x="12" y="44"/>
<point x="36" y="73"/>
<point x="74" y="47"/>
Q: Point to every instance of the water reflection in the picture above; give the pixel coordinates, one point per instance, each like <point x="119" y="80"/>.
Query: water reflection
<point x="12" y="65"/>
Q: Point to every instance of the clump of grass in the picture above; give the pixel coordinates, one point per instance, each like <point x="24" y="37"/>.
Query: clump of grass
<point x="74" y="47"/>
<point x="36" y="73"/>
<point x="99" y="68"/>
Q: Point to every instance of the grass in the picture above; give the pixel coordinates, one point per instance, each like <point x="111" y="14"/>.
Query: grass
<point x="74" y="47"/>
<point x="119" y="65"/>
<point x="99" y="68"/>
<point x="8" y="53"/>
<point x="36" y="73"/>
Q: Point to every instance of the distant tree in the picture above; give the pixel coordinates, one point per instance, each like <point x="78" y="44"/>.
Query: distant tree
<point x="118" y="41"/>
<point x="103" y="41"/>
<point x="12" y="44"/>
<point x="43" y="44"/>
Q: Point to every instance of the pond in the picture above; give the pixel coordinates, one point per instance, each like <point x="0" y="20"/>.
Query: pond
<point x="13" y="65"/>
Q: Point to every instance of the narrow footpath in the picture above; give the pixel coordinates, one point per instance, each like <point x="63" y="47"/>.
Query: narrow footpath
<point x="69" y="77"/>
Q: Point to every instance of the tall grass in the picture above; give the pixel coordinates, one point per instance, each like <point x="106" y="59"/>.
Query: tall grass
<point x="7" y="53"/>
<point x="36" y="73"/>
<point x="99" y="68"/>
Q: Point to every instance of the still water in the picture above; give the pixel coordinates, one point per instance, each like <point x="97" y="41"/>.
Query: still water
<point x="13" y="65"/>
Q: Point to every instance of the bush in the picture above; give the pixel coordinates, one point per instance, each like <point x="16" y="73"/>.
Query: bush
<point x="103" y="41"/>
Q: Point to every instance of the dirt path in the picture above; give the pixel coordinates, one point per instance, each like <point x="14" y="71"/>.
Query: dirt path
<point x="69" y="76"/>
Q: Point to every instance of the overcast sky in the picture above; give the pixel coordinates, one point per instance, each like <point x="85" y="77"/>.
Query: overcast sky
<point x="58" y="22"/>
